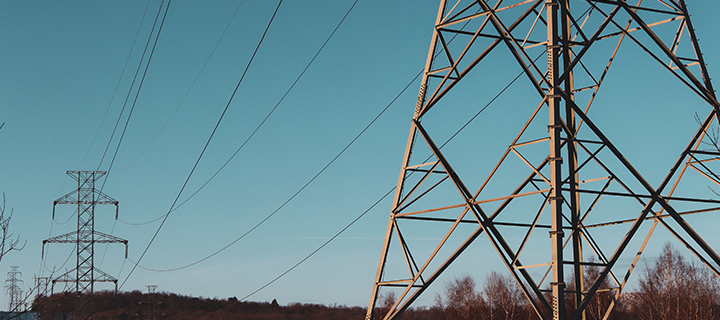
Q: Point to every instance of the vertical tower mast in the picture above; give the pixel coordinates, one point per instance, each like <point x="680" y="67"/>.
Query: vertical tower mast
<point x="563" y="176"/>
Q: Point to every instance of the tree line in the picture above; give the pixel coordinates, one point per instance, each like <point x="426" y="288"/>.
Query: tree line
<point x="670" y="289"/>
<point x="137" y="305"/>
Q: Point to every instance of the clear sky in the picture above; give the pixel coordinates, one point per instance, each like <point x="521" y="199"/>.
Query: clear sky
<point x="61" y="63"/>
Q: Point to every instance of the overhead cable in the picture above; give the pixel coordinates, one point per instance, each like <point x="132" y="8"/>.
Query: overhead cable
<point x="381" y="198"/>
<point x="206" y="145"/>
<point x="168" y="121"/>
<point x="117" y="86"/>
<point x="299" y="190"/>
<point x="132" y="84"/>
<point x="258" y="126"/>
<point x="137" y="94"/>
<point x="320" y="248"/>
<point x="192" y="85"/>
<point x="304" y="186"/>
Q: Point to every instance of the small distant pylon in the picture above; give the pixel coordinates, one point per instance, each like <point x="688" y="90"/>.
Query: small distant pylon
<point x="42" y="284"/>
<point x="151" y="305"/>
<point x="12" y="284"/>
<point x="85" y="197"/>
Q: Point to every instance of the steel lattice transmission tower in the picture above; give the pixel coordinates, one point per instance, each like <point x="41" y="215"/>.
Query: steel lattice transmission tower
<point x="151" y="304"/>
<point x="42" y="285"/>
<point x="12" y="284"/>
<point x="86" y="197"/>
<point x="561" y="175"/>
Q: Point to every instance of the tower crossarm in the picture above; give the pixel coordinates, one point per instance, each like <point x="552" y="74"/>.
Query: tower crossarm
<point x="85" y="237"/>
<point x="71" y="198"/>
<point x="106" y="238"/>
<point x="70" y="237"/>
<point x="65" y="277"/>
<point x="66" y="199"/>
<point x="100" y="276"/>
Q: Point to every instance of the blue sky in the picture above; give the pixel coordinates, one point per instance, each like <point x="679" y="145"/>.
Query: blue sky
<point x="61" y="63"/>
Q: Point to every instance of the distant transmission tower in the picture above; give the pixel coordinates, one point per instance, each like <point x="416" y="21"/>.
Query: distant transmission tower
<point x="86" y="197"/>
<point x="12" y="284"/>
<point x="546" y="206"/>
<point x="151" y="304"/>
<point x="42" y="285"/>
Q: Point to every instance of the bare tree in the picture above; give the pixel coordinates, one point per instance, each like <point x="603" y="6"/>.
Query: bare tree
<point x="462" y="301"/>
<point x="674" y="289"/>
<point x="8" y="242"/>
<point x="385" y="302"/>
<point x="504" y="297"/>
<point x="601" y="300"/>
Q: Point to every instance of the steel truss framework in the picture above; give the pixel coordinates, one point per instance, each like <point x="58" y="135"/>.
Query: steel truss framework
<point x="12" y="284"/>
<point x="86" y="197"/>
<point x="565" y="188"/>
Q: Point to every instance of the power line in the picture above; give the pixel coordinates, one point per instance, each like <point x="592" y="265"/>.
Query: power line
<point x="306" y="184"/>
<point x="170" y="118"/>
<point x="322" y="246"/>
<point x="258" y="126"/>
<point x="386" y="194"/>
<point x="192" y="85"/>
<point x="117" y="86"/>
<point x="66" y="221"/>
<point x="137" y="94"/>
<point x="132" y="84"/>
<point x="206" y="144"/>
<point x="134" y="103"/>
<point x="131" y="87"/>
<point x="297" y="192"/>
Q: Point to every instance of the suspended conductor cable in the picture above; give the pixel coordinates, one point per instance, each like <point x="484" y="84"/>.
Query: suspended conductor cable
<point x="63" y="264"/>
<point x="168" y="121"/>
<point x="259" y="125"/>
<point x="66" y="221"/>
<point x="320" y="248"/>
<point x="117" y="86"/>
<point x="134" y="103"/>
<point x="132" y="84"/>
<point x="192" y="85"/>
<point x="137" y="94"/>
<point x="297" y="192"/>
<point x="304" y="186"/>
<point x="206" y="145"/>
<point x="386" y="194"/>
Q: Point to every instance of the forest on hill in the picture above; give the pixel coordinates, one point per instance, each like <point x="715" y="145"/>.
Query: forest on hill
<point x="671" y="289"/>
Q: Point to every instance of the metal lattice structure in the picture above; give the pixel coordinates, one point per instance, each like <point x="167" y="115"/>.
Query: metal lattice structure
<point x="564" y="175"/>
<point x="12" y="285"/>
<point x="151" y="304"/>
<point x="86" y="197"/>
<point x="42" y="286"/>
